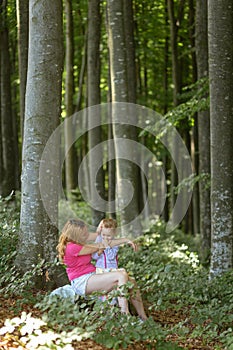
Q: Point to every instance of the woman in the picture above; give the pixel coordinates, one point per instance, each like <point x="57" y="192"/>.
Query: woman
<point x="76" y="253"/>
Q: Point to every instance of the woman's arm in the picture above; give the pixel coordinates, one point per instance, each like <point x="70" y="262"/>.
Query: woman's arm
<point x="92" y="248"/>
<point x="92" y="236"/>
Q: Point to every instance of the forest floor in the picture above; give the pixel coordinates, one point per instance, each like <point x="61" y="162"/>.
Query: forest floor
<point x="169" y="317"/>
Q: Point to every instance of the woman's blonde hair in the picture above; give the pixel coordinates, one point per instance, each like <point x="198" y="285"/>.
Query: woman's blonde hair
<point x="71" y="232"/>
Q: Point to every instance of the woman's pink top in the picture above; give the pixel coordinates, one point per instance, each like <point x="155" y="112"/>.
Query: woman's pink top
<point x="77" y="265"/>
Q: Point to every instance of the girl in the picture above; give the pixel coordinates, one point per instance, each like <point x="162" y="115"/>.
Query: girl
<point x="75" y="251"/>
<point x="108" y="260"/>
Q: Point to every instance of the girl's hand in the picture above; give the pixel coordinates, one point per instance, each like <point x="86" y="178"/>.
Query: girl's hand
<point x="107" y="243"/>
<point x="133" y="245"/>
<point x="99" y="228"/>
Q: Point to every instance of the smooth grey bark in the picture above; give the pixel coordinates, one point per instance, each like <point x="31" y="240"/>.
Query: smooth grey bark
<point x="7" y="127"/>
<point x="111" y="171"/>
<point x="22" y="7"/>
<point x="38" y="233"/>
<point x="1" y="160"/>
<point x="175" y="22"/>
<point x="126" y="170"/>
<point x="117" y="51"/>
<point x="165" y="213"/>
<point x="195" y="222"/>
<point x="1" y="155"/>
<point x="201" y="44"/>
<point x="111" y="157"/>
<point x="69" y="105"/>
<point x="130" y="50"/>
<point x="132" y="83"/>
<point x="82" y="73"/>
<point x="220" y="30"/>
<point x="15" y="124"/>
<point x="93" y="98"/>
<point x="194" y="216"/>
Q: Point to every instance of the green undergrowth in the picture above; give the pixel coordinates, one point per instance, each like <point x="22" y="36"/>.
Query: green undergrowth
<point x="169" y="275"/>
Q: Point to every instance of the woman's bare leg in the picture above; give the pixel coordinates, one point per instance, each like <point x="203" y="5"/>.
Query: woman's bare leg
<point x="106" y="282"/>
<point x="136" y="300"/>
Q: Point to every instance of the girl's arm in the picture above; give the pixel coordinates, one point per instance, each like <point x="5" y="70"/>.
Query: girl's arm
<point x="119" y="241"/>
<point x="100" y="247"/>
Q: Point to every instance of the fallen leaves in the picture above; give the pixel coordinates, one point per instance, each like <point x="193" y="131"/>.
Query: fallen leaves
<point x="11" y="307"/>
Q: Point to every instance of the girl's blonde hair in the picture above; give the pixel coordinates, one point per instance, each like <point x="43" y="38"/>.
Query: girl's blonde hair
<point x="71" y="232"/>
<point x="108" y="224"/>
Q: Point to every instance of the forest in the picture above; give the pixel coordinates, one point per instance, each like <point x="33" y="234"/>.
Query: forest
<point x="117" y="109"/>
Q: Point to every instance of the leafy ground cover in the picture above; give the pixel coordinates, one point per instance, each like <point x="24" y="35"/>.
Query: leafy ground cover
<point x="185" y="308"/>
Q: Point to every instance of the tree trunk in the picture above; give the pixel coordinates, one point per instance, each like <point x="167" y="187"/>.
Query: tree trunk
<point x="165" y="213"/>
<point x="201" y="43"/>
<point x="93" y="88"/>
<point x="175" y="22"/>
<point x="69" y="82"/>
<point x="130" y="50"/>
<point x="111" y="157"/>
<point x="1" y="157"/>
<point x="131" y="72"/>
<point x="1" y="145"/>
<point x="126" y="170"/>
<point x="195" y="198"/>
<point x="38" y="232"/>
<point x="14" y="93"/>
<point x="22" y="21"/>
<point x="195" y="215"/>
<point x="174" y="27"/>
<point x="176" y="16"/>
<point x="220" y="29"/>
<point x="7" y="129"/>
<point x="111" y="169"/>
<point x="81" y="79"/>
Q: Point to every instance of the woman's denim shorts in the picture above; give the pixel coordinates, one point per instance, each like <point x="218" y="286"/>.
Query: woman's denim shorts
<point x="79" y="284"/>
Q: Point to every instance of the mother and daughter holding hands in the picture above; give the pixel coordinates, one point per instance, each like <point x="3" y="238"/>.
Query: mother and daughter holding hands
<point x="76" y="250"/>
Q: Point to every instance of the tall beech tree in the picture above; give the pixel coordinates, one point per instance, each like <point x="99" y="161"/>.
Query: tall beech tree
<point x="38" y="235"/>
<point x="93" y="98"/>
<point x="69" y="95"/>
<point x="1" y="145"/>
<point x="220" y="29"/>
<point x="22" y="7"/>
<point x="176" y="16"/>
<point x="201" y="45"/>
<point x="9" y="157"/>
<point x="1" y="160"/>
<point x="130" y="49"/>
<point x="194" y="217"/>
<point x="126" y="171"/>
<point x="175" y="23"/>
